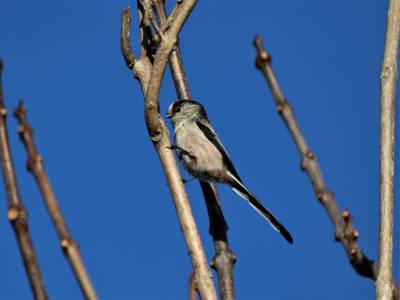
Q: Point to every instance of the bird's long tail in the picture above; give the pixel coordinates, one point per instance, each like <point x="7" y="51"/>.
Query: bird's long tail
<point x="239" y="188"/>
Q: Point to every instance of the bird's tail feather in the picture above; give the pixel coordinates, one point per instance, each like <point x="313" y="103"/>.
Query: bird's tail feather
<point x="239" y="188"/>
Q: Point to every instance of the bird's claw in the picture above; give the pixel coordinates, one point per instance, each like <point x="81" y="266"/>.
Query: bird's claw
<point x="183" y="151"/>
<point x="187" y="180"/>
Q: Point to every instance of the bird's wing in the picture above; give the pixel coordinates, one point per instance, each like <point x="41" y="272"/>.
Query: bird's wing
<point x="213" y="138"/>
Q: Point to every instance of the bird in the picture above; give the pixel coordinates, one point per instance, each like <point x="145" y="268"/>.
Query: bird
<point x="204" y="157"/>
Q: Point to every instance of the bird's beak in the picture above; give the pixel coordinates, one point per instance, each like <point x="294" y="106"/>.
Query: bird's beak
<point x="169" y="112"/>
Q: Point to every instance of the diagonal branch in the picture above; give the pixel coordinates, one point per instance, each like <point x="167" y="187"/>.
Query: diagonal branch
<point x="17" y="213"/>
<point x="224" y="258"/>
<point x="344" y="231"/>
<point x="36" y="167"/>
<point x="150" y="73"/>
<point x="384" y="284"/>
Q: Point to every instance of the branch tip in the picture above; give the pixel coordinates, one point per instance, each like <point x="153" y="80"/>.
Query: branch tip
<point x="262" y="54"/>
<point x="125" y="38"/>
<point x="20" y="113"/>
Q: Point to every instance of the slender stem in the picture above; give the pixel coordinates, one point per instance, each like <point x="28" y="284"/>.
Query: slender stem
<point x="159" y="133"/>
<point x="36" y="167"/>
<point x="344" y="231"/>
<point x="192" y="287"/>
<point x="384" y="284"/>
<point x="17" y="213"/>
<point x="224" y="259"/>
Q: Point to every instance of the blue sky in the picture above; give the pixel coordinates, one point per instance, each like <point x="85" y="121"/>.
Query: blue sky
<point x="87" y="110"/>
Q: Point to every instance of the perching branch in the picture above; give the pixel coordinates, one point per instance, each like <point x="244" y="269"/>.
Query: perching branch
<point x="384" y="284"/>
<point x="344" y="231"/>
<point x="149" y="69"/>
<point x="17" y="213"/>
<point x="35" y="165"/>
<point x="224" y="259"/>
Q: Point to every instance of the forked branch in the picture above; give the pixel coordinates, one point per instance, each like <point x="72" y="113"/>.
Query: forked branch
<point x="35" y="165"/>
<point x="224" y="258"/>
<point x="17" y="213"/>
<point x="344" y="231"/>
<point x="149" y="70"/>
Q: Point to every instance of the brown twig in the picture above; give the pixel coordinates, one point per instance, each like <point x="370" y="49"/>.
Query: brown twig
<point x="384" y="282"/>
<point x="344" y="231"/>
<point x="149" y="69"/>
<point x="224" y="258"/>
<point x="35" y="165"/>
<point x="192" y="287"/>
<point x="17" y="213"/>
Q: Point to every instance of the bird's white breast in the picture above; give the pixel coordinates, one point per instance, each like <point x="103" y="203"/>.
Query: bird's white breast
<point x="204" y="160"/>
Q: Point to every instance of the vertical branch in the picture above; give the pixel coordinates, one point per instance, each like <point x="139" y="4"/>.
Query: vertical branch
<point x="384" y="284"/>
<point x="158" y="131"/>
<point x="224" y="259"/>
<point x="36" y="167"/>
<point x="175" y="60"/>
<point x="17" y="213"/>
<point x="344" y="231"/>
<point x="192" y="287"/>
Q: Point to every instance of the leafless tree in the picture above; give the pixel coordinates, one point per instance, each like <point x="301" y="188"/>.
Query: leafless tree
<point x="224" y="259"/>
<point x="149" y="69"/>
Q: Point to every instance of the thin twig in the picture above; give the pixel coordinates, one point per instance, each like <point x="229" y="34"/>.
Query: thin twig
<point x="159" y="134"/>
<point x="35" y="165"/>
<point x="384" y="284"/>
<point x="344" y="231"/>
<point x="17" y="213"/>
<point x="192" y="287"/>
<point x="224" y="259"/>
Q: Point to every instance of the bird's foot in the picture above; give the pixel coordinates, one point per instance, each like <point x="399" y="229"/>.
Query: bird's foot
<point x="182" y="151"/>
<point x="188" y="180"/>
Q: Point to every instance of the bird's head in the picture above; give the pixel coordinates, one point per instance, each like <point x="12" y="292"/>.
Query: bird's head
<point x="182" y="110"/>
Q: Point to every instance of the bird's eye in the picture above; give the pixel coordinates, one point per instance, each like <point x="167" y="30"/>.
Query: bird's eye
<point x="177" y="109"/>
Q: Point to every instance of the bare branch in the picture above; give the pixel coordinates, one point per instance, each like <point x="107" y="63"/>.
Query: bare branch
<point x="17" y="213"/>
<point x="384" y="284"/>
<point x="224" y="258"/>
<point x="141" y="68"/>
<point x="344" y="231"/>
<point x="125" y="40"/>
<point x="175" y="61"/>
<point x="159" y="135"/>
<point x="192" y="287"/>
<point x="36" y="167"/>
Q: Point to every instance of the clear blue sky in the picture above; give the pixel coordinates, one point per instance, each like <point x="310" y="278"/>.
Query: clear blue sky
<point x="87" y="110"/>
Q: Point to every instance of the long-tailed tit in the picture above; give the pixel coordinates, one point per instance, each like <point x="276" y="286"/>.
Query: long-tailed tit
<point x="204" y="157"/>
